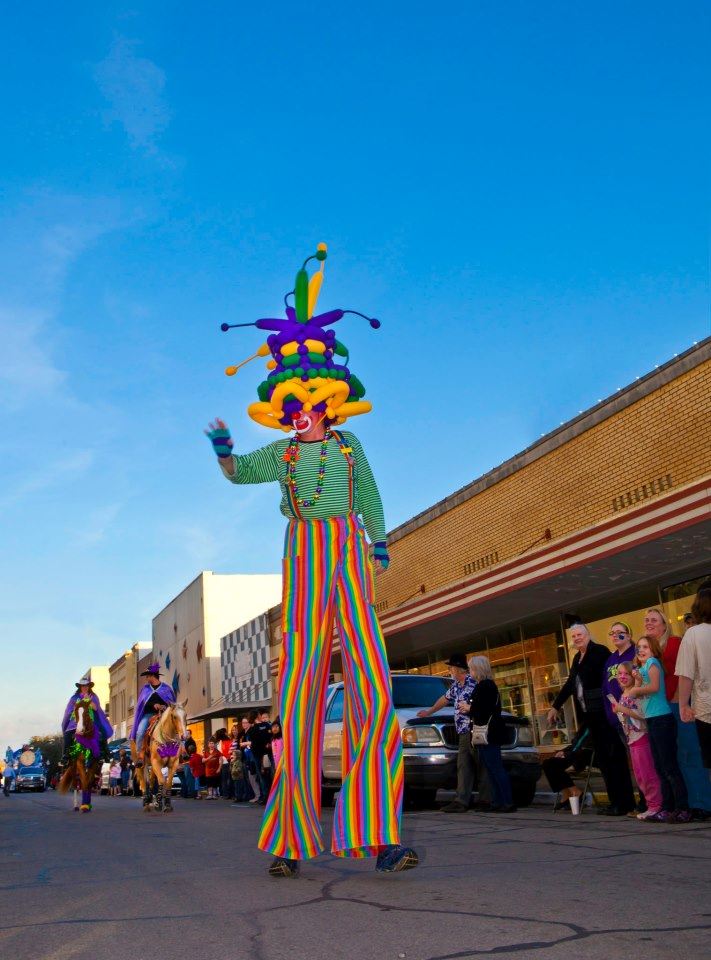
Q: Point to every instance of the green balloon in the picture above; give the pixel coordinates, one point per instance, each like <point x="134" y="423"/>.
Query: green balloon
<point x="301" y="296"/>
<point x="313" y="374"/>
<point x="357" y="387"/>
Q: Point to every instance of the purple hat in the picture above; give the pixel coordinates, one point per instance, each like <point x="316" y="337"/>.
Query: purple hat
<point x="152" y="670"/>
<point x="308" y="367"/>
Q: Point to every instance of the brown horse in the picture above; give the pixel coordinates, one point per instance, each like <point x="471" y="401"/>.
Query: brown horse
<point x="165" y="740"/>
<point x="85" y="763"/>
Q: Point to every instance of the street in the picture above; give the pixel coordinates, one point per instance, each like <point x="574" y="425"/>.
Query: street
<point x="119" y="883"/>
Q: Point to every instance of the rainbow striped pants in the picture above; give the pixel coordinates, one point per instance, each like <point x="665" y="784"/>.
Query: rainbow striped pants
<point x="327" y="572"/>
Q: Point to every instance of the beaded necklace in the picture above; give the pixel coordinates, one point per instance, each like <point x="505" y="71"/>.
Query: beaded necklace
<point x="291" y="456"/>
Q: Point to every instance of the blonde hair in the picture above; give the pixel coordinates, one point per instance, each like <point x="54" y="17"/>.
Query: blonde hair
<point x="480" y="667"/>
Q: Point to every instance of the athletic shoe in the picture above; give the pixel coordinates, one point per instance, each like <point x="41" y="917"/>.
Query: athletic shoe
<point x="454" y="807"/>
<point x="662" y="816"/>
<point x="395" y="859"/>
<point x="682" y="816"/>
<point x="281" y="867"/>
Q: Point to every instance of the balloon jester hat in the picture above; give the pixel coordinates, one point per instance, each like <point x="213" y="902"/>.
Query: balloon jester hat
<point x="308" y="369"/>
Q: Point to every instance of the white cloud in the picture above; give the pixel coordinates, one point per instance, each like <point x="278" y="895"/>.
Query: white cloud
<point x="70" y="467"/>
<point x="98" y="522"/>
<point x="41" y="239"/>
<point x="27" y="367"/>
<point x="134" y="87"/>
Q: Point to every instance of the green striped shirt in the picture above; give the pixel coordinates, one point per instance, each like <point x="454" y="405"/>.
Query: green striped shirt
<point x="267" y="465"/>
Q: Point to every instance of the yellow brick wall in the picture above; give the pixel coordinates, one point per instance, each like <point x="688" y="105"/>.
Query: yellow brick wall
<point x="665" y="433"/>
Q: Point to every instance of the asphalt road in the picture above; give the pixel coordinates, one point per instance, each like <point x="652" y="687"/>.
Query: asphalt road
<point x="118" y="883"/>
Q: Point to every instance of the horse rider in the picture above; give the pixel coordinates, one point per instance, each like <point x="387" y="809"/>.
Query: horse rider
<point x="154" y="697"/>
<point x="85" y="691"/>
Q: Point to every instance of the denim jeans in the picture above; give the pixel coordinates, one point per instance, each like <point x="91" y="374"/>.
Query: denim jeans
<point x="696" y="777"/>
<point x="498" y="777"/>
<point x="187" y="781"/>
<point x="662" y="740"/>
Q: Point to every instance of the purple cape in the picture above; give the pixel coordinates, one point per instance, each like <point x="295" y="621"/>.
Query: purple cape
<point x="164" y="691"/>
<point x="101" y="720"/>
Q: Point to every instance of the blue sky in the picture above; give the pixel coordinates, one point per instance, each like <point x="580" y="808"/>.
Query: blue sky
<point x="519" y="191"/>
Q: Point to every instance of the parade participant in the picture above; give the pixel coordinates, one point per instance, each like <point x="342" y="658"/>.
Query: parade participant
<point x="331" y="500"/>
<point x="85" y="691"/>
<point x="152" y="700"/>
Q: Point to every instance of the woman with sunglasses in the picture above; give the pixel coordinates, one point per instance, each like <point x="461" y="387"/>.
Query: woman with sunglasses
<point x="620" y="636"/>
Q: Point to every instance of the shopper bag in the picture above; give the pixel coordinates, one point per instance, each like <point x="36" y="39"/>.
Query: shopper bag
<point x="480" y="731"/>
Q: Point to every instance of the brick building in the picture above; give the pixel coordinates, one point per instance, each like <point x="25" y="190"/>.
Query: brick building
<point x="601" y="518"/>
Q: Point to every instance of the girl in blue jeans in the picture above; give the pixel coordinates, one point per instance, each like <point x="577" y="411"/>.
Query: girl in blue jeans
<point x="661" y="730"/>
<point x="485" y="709"/>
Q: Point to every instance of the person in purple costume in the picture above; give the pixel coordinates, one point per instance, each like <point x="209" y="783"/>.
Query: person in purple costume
<point x="104" y="729"/>
<point x="621" y="637"/>
<point x="153" y="698"/>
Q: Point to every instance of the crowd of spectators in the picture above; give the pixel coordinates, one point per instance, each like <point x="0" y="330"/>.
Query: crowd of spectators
<point x="637" y="718"/>
<point x="236" y="765"/>
<point x="644" y="718"/>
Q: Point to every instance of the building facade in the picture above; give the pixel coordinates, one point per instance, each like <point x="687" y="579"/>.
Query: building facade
<point x="602" y="518"/>
<point x="99" y="676"/>
<point x="123" y="688"/>
<point x="187" y="637"/>
<point x="244" y="663"/>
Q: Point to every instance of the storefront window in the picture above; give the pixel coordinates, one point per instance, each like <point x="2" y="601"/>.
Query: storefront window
<point x="545" y="657"/>
<point x="508" y="665"/>
<point x="677" y="601"/>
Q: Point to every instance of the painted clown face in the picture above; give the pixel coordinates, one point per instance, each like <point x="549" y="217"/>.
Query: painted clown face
<point x="308" y="367"/>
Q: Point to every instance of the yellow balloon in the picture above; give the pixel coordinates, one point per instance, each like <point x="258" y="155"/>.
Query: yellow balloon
<point x="314" y="290"/>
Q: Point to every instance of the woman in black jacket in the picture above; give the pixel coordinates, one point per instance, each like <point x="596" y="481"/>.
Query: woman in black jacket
<point x="485" y="709"/>
<point x="587" y="672"/>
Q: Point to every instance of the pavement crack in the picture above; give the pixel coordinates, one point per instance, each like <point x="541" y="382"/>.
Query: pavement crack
<point x="579" y="934"/>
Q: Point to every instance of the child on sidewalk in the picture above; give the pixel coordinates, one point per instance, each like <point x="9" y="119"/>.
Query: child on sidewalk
<point x="634" y="726"/>
<point x="197" y="768"/>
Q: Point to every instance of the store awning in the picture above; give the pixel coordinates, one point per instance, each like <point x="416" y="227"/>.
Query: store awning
<point x="665" y="540"/>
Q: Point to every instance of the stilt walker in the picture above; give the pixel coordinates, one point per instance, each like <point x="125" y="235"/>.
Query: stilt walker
<point x="331" y="501"/>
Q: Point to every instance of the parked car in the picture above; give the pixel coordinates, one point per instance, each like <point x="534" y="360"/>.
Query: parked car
<point x="31" y="778"/>
<point x="430" y="744"/>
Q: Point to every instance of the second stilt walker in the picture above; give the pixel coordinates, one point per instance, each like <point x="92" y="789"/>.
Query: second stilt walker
<point x="331" y="501"/>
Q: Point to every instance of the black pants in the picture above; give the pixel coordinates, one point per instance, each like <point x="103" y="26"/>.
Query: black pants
<point x="662" y="740"/>
<point x="611" y="759"/>
<point x="556" y="768"/>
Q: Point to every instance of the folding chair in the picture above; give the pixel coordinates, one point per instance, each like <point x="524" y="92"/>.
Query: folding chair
<point x="587" y="773"/>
